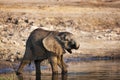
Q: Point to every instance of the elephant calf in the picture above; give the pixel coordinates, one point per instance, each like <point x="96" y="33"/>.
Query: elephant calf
<point x="51" y="45"/>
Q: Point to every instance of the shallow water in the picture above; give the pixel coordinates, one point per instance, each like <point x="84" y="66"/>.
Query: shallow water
<point x="78" y="70"/>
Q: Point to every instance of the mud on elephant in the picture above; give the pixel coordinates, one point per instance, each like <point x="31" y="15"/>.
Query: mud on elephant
<point x="51" y="45"/>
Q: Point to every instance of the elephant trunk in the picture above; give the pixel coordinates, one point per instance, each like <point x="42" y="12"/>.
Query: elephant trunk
<point x="77" y="46"/>
<point x="74" y="45"/>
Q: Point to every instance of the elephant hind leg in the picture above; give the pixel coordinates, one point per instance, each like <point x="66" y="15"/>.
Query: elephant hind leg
<point x="22" y="65"/>
<point x="26" y="60"/>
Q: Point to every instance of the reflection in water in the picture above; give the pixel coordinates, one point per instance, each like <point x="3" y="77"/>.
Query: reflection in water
<point x="54" y="77"/>
<point x="20" y="77"/>
<point x="77" y="70"/>
<point x="64" y="77"/>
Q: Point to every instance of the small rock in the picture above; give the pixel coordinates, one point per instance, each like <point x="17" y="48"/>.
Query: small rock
<point x="26" y="20"/>
<point x="12" y="60"/>
<point x="4" y="40"/>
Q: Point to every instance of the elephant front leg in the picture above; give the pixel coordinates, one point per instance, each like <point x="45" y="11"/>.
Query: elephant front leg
<point x="38" y="71"/>
<point x="53" y="63"/>
<point x="62" y="64"/>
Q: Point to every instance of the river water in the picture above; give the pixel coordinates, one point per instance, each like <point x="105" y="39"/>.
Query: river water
<point x="78" y="70"/>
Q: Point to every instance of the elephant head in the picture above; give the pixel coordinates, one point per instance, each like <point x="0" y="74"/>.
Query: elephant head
<point x="61" y="42"/>
<point x="69" y="41"/>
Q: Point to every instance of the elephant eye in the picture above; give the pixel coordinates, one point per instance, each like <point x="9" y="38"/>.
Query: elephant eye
<point x="67" y="38"/>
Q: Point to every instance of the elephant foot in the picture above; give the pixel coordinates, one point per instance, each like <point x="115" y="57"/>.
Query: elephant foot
<point x="18" y="73"/>
<point x="55" y="72"/>
<point x="64" y="72"/>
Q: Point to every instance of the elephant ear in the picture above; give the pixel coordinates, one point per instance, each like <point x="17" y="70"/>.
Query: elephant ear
<point x="52" y="45"/>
